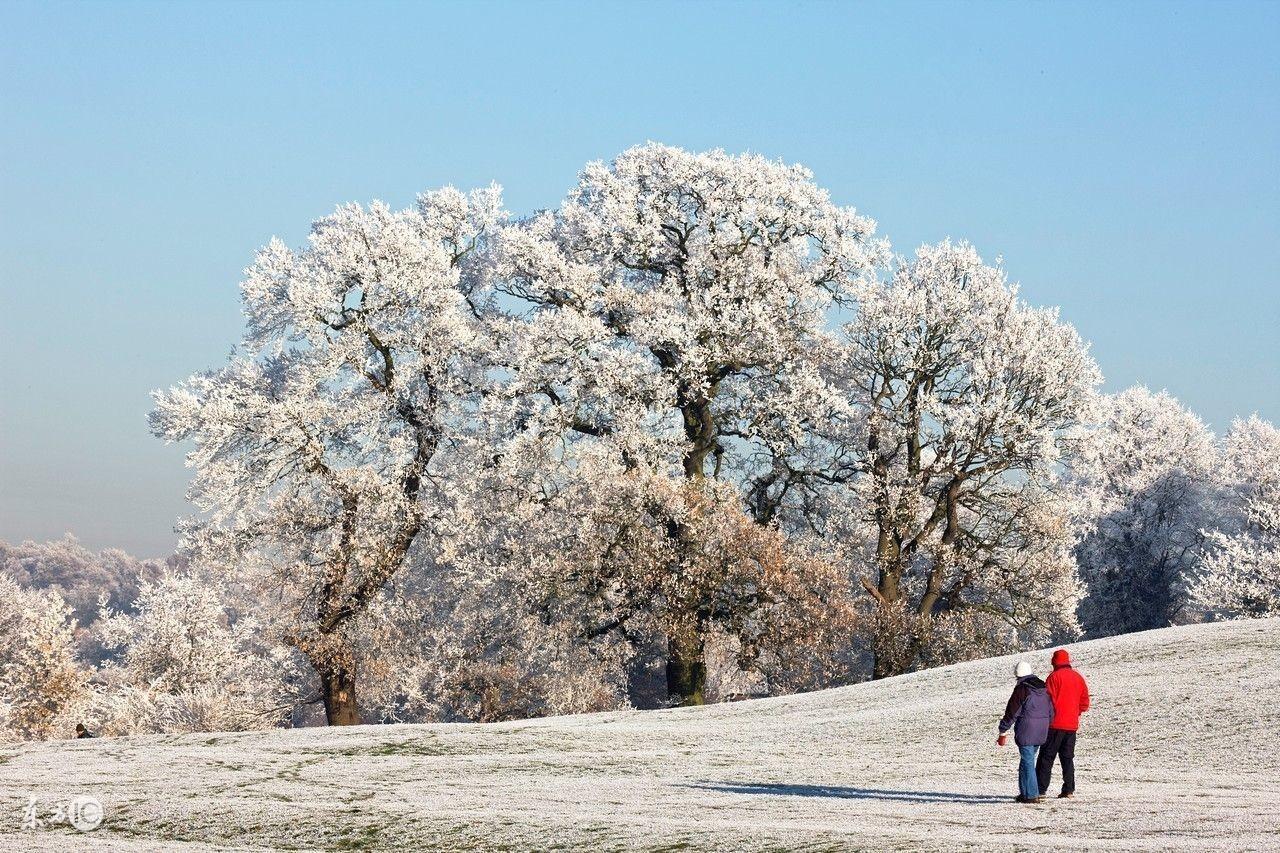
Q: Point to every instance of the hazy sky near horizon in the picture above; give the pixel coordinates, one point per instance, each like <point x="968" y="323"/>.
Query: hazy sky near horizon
<point x="1123" y="159"/>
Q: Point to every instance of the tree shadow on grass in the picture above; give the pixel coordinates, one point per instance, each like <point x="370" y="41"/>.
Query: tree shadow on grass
<point x="788" y="790"/>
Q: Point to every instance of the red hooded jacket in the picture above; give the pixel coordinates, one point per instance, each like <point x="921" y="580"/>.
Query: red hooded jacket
<point x="1069" y="693"/>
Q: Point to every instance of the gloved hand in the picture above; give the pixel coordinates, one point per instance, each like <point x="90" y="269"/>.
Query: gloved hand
<point x="1002" y="740"/>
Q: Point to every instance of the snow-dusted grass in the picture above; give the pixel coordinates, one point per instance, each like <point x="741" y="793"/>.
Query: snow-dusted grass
<point x="1179" y="752"/>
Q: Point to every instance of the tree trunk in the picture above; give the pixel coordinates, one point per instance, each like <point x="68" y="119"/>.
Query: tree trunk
<point x="881" y="666"/>
<point x="338" y="686"/>
<point x="889" y="640"/>
<point x="646" y="683"/>
<point x="686" y="676"/>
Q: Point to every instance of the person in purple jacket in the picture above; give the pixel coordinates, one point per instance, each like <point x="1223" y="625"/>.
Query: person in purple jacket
<point x="1029" y="712"/>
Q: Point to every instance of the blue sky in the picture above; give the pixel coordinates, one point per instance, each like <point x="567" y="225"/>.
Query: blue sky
<point x="1122" y="158"/>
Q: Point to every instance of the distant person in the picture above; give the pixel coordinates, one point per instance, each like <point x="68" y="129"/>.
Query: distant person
<point x="1028" y="713"/>
<point x="81" y="731"/>
<point x="1070" y="699"/>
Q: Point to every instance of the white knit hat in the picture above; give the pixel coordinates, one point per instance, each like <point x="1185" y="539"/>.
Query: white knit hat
<point x="1023" y="668"/>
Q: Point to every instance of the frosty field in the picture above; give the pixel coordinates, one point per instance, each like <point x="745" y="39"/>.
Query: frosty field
<point x="1177" y="753"/>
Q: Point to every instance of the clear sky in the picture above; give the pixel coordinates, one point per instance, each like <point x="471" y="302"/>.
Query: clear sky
<point x="1122" y="158"/>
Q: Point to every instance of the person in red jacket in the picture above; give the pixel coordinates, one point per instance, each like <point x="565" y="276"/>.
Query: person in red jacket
<point x="1070" y="699"/>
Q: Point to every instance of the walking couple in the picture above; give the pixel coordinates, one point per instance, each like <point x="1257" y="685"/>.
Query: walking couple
<point x="1044" y="716"/>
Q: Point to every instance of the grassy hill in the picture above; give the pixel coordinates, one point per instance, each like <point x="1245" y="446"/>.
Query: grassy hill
<point x="1180" y="752"/>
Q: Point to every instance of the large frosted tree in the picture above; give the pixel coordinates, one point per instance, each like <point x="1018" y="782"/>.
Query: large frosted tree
<point x="971" y="399"/>
<point x="678" y="311"/>
<point x="318" y="448"/>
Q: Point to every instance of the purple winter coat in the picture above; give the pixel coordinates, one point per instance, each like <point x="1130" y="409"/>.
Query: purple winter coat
<point x="1029" y="712"/>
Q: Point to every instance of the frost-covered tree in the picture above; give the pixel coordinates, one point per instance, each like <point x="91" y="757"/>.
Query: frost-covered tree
<point x="42" y="686"/>
<point x="317" y="449"/>
<point x="1242" y="565"/>
<point x="464" y="649"/>
<point x="678" y="312"/>
<point x="972" y="398"/>
<point x="661" y="556"/>
<point x="615" y="563"/>
<point x="1146" y="480"/>
<point x="188" y="661"/>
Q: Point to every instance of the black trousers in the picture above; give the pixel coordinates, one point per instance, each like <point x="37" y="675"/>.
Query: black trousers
<point x="1060" y="743"/>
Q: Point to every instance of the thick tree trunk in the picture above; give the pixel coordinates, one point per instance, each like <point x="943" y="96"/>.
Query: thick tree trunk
<point x="686" y="677"/>
<point x="646" y="682"/>
<point x="887" y="657"/>
<point x="334" y="663"/>
<point x="338" y="687"/>
<point x="887" y="643"/>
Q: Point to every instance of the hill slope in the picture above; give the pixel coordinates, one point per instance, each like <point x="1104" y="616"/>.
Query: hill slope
<point x="1179" y="752"/>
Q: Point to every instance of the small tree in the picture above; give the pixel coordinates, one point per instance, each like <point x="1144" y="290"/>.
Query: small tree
<point x="1146" y="483"/>
<point x="187" y="661"/>
<point x="42" y="687"/>
<point x="317" y="448"/>
<point x="1242" y="565"/>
